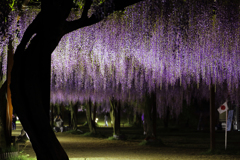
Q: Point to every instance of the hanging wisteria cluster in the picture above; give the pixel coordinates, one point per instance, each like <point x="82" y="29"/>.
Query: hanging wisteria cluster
<point x="175" y="50"/>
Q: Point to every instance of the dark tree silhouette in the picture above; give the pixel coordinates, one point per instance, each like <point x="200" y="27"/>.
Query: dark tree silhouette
<point x="30" y="82"/>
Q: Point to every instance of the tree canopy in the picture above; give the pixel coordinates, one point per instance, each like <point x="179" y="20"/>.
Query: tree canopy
<point x="152" y="44"/>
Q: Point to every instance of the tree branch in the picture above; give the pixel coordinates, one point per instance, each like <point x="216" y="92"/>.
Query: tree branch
<point x="84" y="21"/>
<point x="31" y="30"/>
<point x="87" y="6"/>
<point x="121" y="4"/>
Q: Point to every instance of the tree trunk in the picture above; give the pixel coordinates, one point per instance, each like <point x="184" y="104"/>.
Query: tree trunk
<point x="3" y="107"/>
<point x="115" y="116"/>
<point x="30" y="85"/>
<point x="148" y="120"/>
<point x="74" y="117"/>
<point x="118" y="119"/>
<point x="58" y="109"/>
<point x="137" y="119"/>
<point x="150" y="114"/>
<point x="130" y="116"/>
<point x="94" y="113"/>
<point x="32" y="103"/>
<point x="91" y="123"/>
<point x="166" y="117"/>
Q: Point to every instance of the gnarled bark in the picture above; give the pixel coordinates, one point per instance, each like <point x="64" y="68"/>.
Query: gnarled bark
<point x="30" y="84"/>
<point x="115" y="116"/>
<point x="74" y="116"/>
<point x="150" y="114"/>
<point x="90" y="121"/>
<point x="3" y="105"/>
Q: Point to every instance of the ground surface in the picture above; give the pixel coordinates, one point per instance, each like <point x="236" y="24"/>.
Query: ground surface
<point x="179" y="145"/>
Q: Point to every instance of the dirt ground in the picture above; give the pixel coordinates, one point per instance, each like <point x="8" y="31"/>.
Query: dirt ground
<point x="184" y="145"/>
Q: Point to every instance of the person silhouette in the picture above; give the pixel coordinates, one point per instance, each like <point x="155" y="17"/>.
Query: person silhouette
<point x="106" y="120"/>
<point x="59" y="123"/>
<point x="14" y="119"/>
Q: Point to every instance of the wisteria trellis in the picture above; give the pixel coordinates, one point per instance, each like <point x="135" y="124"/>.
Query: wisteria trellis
<point x="145" y="49"/>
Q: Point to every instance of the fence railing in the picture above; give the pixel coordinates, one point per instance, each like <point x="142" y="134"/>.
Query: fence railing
<point x="8" y="155"/>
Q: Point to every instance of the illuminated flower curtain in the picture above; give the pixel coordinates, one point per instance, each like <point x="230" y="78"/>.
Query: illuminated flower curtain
<point x="151" y="46"/>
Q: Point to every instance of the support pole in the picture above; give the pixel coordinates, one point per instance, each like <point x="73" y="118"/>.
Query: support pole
<point x="226" y="130"/>
<point x="212" y="118"/>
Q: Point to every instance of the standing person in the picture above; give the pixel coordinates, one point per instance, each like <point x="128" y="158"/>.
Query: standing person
<point x="59" y="123"/>
<point x="106" y="120"/>
<point x="14" y="119"/>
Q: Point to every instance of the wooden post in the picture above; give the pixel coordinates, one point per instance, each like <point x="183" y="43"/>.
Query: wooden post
<point x="226" y="130"/>
<point x="212" y="117"/>
<point x="9" y="110"/>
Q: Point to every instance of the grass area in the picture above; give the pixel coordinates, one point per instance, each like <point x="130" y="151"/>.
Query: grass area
<point x="21" y="157"/>
<point x="155" y="143"/>
<point x="221" y="152"/>
<point x="74" y="132"/>
<point x="181" y="138"/>
<point x="102" y="124"/>
<point x="9" y="149"/>
<point x="187" y="139"/>
<point x="18" y="122"/>
<point x="112" y="138"/>
<point x="85" y="134"/>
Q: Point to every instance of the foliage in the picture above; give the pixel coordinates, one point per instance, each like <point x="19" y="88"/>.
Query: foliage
<point x="80" y="3"/>
<point x="21" y="157"/>
<point x="32" y="1"/>
<point x="151" y="46"/>
<point x="112" y="138"/>
<point x="6" y="6"/>
<point x="212" y="152"/>
<point x="85" y="123"/>
<point x="9" y="149"/>
<point x="118" y="137"/>
<point x="115" y="60"/>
